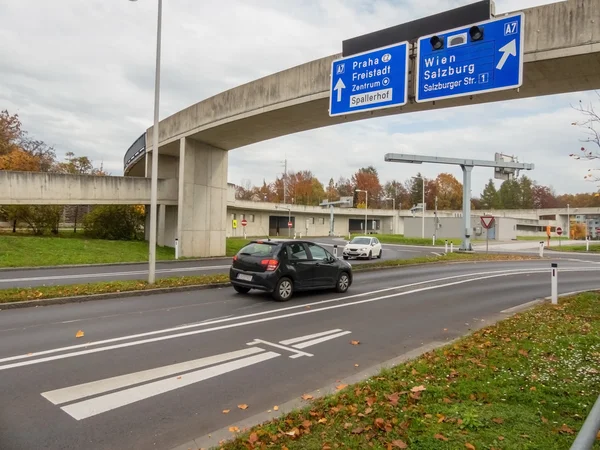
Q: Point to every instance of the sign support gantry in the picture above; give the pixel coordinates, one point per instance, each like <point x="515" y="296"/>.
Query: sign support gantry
<point x="467" y="167"/>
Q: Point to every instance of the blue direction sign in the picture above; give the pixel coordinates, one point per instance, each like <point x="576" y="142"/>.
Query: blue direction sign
<point x="483" y="57"/>
<point x="367" y="81"/>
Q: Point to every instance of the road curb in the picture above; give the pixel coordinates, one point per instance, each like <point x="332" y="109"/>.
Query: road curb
<point x="108" y="295"/>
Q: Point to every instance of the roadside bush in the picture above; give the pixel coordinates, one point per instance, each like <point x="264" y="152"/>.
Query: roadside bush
<point x="115" y="222"/>
<point x="39" y="218"/>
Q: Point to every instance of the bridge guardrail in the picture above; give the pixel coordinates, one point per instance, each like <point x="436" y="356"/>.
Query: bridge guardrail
<point x="134" y="151"/>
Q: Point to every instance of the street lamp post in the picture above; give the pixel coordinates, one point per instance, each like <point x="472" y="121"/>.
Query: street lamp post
<point x="289" y="208"/>
<point x="394" y="210"/>
<point x="422" y="209"/>
<point x="154" y="176"/>
<point x="568" y="222"/>
<point x="366" y="205"/>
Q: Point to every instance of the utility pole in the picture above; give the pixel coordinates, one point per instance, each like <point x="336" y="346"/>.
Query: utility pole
<point x="285" y="182"/>
<point x="435" y="222"/>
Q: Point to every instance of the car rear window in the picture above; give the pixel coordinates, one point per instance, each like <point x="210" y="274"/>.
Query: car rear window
<point x="259" y="249"/>
<point x="361" y="241"/>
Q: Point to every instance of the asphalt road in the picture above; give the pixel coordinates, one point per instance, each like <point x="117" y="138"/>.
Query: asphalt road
<point x="53" y="276"/>
<point x="157" y="371"/>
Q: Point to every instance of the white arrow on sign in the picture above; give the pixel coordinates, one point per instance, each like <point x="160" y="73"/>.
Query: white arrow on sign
<point x="507" y="50"/>
<point x="338" y="87"/>
<point x="125" y="389"/>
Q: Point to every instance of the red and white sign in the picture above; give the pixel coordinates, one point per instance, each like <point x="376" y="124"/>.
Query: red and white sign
<point x="487" y="221"/>
<point x="289" y="224"/>
<point x="558" y="230"/>
<point x="244" y="222"/>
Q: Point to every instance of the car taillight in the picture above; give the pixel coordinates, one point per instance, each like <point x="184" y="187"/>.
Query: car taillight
<point x="270" y="263"/>
<point x="235" y="258"/>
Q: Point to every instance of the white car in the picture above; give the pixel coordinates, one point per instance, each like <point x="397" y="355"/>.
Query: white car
<point x="363" y="247"/>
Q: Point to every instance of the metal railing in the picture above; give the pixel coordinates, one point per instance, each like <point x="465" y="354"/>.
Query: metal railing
<point x="133" y="152"/>
<point x="587" y="435"/>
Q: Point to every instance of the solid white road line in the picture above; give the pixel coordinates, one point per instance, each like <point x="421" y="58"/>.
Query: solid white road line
<point x="71" y="393"/>
<point x="308" y="336"/>
<point x="321" y="339"/>
<point x="98" y="405"/>
<point x="318" y="303"/>
<point x="112" y="274"/>
<point x="250" y="322"/>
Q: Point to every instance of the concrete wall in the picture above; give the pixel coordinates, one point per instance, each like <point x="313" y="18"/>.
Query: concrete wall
<point x="452" y="227"/>
<point x="34" y="188"/>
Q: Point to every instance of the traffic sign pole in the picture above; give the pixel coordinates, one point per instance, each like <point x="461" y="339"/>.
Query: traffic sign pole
<point x="480" y="58"/>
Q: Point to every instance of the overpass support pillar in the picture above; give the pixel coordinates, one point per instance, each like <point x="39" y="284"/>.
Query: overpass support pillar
<point x="202" y="203"/>
<point x="160" y="229"/>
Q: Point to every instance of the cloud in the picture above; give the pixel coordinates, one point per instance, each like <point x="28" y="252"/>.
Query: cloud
<point x="81" y="77"/>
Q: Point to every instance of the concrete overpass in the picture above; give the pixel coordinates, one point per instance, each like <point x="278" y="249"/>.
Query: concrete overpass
<point x="562" y="54"/>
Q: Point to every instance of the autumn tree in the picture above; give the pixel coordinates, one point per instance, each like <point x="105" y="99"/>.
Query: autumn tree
<point x="395" y="189"/>
<point x="543" y="197"/>
<point x="449" y="192"/>
<point x="332" y="192"/>
<point x="344" y="187"/>
<point x="367" y="179"/>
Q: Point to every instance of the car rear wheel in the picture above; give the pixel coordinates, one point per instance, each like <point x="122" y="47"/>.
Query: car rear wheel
<point x="380" y="253"/>
<point x="241" y="289"/>
<point x="283" y="290"/>
<point x="343" y="282"/>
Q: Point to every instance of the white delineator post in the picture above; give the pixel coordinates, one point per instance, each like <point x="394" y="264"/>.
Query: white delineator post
<point x="176" y="248"/>
<point x="445" y="246"/>
<point x="335" y="247"/>
<point x="541" y="249"/>
<point x="554" y="282"/>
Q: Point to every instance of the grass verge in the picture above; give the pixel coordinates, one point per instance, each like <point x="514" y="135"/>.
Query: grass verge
<point x="594" y="248"/>
<point x="400" y="239"/>
<point x="19" y="250"/>
<point x="525" y="383"/>
<point x="72" y="290"/>
<point x="43" y="292"/>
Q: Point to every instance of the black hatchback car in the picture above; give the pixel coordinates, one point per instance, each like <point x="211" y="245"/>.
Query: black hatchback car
<point x="284" y="267"/>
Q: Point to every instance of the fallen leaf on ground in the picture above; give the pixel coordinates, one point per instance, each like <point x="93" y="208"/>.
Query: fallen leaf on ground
<point x="498" y="420"/>
<point x="339" y="387"/>
<point x="565" y="429"/>
<point x="470" y="446"/>
<point x="226" y="411"/>
<point x="358" y="430"/>
<point x="399" y="443"/>
<point x="79" y="334"/>
<point x="355" y="365"/>
<point x="322" y="420"/>
<point x="275" y="408"/>
<point x="440" y="437"/>
<point x="418" y="388"/>
<point x="243" y="406"/>
<point x="307" y="397"/>
<point x="393" y="398"/>
<point x="524" y="352"/>
<point x="293" y="432"/>
<point x="355" y="342"/>
<point x="253" y="438"/>
<point x="234" y="429"/>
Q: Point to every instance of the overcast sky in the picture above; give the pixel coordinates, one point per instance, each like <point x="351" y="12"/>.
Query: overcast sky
<point x="80" y="74"/>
